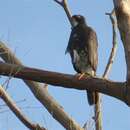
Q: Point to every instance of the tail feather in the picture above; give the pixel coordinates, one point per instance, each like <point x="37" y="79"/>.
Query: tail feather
<point x="92" y="97"/>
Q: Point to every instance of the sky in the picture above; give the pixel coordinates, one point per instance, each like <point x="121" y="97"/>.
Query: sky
<point x="38" y="33"/>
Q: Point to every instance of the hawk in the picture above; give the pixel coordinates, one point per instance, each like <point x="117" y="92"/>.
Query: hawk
<point x="82" y="47"/>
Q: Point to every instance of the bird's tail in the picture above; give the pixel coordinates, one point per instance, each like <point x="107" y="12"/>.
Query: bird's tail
<point x="92" y="97"/>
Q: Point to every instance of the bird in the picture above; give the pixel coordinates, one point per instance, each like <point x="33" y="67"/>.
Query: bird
<point x="83" y="50"/>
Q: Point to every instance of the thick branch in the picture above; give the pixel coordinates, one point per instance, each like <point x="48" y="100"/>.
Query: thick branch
<point x="115" y="89"/>
<point x="122" y="9"/>
<point x="11" y="104"/>
<point x="41" y="93"/>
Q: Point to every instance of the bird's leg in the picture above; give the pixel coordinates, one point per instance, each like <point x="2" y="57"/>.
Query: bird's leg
<point x="81" y="76"/>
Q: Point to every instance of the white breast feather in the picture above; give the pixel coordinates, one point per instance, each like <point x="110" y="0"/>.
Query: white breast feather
<point x="75" y="56"/>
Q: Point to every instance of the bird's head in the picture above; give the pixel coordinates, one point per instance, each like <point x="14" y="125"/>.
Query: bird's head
<point x="78" y="19"/>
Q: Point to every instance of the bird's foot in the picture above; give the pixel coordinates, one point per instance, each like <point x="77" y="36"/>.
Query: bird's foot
<point x="81" y="76"/>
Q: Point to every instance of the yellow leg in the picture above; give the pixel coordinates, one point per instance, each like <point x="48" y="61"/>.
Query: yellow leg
<point x="81" y="76"/>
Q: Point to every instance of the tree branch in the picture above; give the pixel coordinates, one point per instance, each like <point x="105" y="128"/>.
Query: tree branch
<point x="115" y="89"/>
<point x="42" y="94"/>
<point x="122" y="10"/>
<point x="11" y="104"/>
<point x="98" y="114"/>
<point x="114" y="47"/>
<point x="63" y="3"/>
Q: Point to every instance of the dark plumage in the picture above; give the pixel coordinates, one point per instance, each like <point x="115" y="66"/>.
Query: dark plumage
<point x="82" y="47"/>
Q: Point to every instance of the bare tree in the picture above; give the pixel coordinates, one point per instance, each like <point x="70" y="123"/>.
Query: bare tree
<point x="119" y="90"/>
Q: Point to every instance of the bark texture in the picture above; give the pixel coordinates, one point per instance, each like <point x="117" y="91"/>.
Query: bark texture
<point x="122" y="9"/>
<point x="111" y="88"/>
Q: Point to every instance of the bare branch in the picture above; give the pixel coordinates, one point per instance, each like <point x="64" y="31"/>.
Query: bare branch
<point x="122" y="11"/>
<point x="98" y="114"/>
<point x="114" y="48"/>
<point x="11" y="104"/>
<point x="17" y="102"/>
<point x="63" y="3"/>
<point x="115" y="89"/>
<point x="59" y="2"/>
<point x="41" y="93"/>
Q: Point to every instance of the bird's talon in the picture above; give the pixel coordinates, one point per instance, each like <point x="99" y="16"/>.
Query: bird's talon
<point x="81" y="76"/>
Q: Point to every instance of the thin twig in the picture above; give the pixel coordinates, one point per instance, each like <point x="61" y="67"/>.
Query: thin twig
<point x="63" y="3"/>
<point x="21" y="108"/>
<point x="17" y="102"/>
<point x="11" y="104"/>
<point x="114" y="48"/>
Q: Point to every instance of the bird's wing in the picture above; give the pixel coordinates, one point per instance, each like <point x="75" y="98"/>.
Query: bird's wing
<point x="92" y="44"/>
<point x="71" y="41"/>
